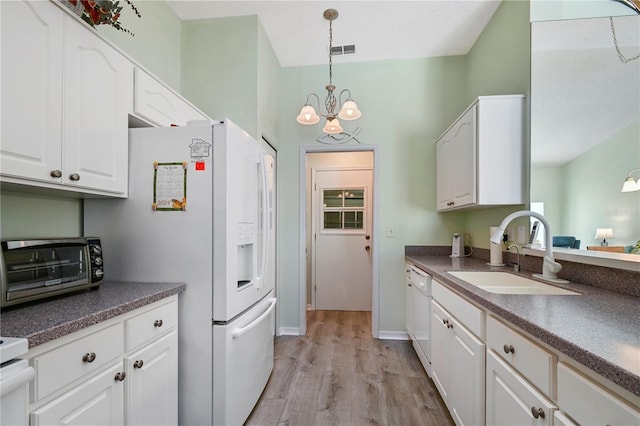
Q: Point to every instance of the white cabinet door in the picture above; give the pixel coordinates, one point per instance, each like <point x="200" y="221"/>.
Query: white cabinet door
<point x="589" y="403"/>
<point x="97" y="401"/>
<point x="467" y="376"/>
<point x="158" y="105"/>
<point x="455" y="163"/>
<point x="462" y="164"/>
<point x="152" y="383"/>
<point x="32" y="52"/>
<point x="511" y="400"/>
<point x="98" y="97"/>
<point x="457" y="367"/>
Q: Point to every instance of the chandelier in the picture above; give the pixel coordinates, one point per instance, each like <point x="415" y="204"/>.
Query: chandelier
<point x="348" y="111"/>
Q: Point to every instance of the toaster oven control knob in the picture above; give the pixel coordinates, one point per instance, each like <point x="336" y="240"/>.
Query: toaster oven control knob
<point x="99" y="273"/>
<point x="96" y="249"/>
<point x="97" y="261"/>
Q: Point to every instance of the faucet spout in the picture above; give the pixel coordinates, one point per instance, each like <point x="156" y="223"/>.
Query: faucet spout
<point x="550" y="268"/>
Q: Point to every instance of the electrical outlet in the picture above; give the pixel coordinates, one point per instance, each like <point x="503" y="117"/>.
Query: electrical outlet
<point x="522" y="236"/>
<point x="510" y="234"/>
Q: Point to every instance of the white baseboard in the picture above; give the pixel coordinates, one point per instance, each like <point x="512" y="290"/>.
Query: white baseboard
<point x="289" y="331"/>
<point x="393" y="335"/>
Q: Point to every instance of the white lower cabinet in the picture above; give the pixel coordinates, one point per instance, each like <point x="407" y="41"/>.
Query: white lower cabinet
<point x="512" y="400"/>
<point x="152" y="383"/>
<point x="458" y="360"/>
<point x="87" y="378"/>
<point x="99" y="400"/>
<point x="588" y="403"/>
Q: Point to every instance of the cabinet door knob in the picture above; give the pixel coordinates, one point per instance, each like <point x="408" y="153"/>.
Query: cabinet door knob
<point x="445" y="322"/>
<point x="120" y="376"/>
<point x="89" y="357"/>
<point x="157" y="323"/>
<point x="537" y="412"/>
<point x="449" y="325"/>
<point x="508" y="349"/>
<point x="367" y="248"/>
<point x="138" y="363"/>
<point x="74" y="177"/>
<point x="55" y="173"/>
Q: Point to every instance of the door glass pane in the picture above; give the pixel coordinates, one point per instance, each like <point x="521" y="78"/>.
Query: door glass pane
<point x="353" y="220"/>
<point x="332" y="220"/>
<point x="332" y="197"/>
<point x="354" y="198"/>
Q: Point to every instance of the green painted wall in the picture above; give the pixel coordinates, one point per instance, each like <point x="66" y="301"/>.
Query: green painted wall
<point x="406" y="105"/>
<point x="29" y="215"/>
<point x="156" y="44"/>
<point x="498" y="64"/>
<point x="594" y="200"/>
<point x="220" y="68"/>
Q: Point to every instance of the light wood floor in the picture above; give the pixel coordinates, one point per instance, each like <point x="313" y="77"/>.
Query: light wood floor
<point x="339" y="375"/>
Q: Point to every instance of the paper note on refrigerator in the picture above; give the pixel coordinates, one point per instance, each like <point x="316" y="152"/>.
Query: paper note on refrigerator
<point x="170" y="186"/>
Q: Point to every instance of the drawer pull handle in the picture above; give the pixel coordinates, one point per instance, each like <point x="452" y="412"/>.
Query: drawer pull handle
<point x="449" y="325"/>
<point x="138" y="363"/>
<point x="508" y="349"/>
<point x="120" y="376"/>
<point x="537" y="412"/>
<point x="446" y="322"/>
<point x="89" y="357"/>
<point x="157" y="323"/>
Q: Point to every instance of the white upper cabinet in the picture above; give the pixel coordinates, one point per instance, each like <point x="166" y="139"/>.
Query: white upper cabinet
<point x="97" y="100"/>
<point x="66" y="95"/>
<point x="480" y="158"/>
<point x="158" y="105"/>
<point x="32" y="65"/>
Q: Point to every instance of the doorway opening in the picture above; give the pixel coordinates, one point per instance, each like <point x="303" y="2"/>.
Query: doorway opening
<point x="338" y="259"/>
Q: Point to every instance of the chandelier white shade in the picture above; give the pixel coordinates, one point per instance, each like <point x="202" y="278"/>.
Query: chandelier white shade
<point x="349" y="109"/>
<point x="630" y="184"/>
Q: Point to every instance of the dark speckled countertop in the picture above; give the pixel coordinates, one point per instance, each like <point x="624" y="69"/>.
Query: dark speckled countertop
<point x="50" y="319"/>
<point x="599" y="329"/>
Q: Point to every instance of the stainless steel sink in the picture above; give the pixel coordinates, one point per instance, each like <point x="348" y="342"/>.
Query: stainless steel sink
<point x="506" y="283"/>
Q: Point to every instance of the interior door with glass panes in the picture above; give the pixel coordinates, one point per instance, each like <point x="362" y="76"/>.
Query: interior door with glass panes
<point x="342" y="245"/>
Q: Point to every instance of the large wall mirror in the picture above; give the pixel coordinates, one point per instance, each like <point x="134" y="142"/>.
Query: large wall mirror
<point x="585" y="127"/>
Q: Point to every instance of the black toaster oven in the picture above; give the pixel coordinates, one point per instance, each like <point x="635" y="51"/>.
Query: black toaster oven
<point x="35" y="269"/>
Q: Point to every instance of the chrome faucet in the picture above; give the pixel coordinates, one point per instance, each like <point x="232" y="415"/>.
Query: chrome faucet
<point x="516" y="267"/>
<point x="550" y="267"/>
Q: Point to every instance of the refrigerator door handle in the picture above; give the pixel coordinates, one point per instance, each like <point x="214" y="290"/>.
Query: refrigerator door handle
<point x="242" y="330"/>
<point x="264" y="241"/>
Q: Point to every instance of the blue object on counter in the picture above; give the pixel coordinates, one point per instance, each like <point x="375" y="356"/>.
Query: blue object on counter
<point x="565" y="241"/>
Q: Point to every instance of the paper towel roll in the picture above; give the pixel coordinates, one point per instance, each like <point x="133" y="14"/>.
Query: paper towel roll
<point x="495" y="250"/>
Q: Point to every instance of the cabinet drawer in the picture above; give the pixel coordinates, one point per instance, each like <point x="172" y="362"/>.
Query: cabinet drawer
<point x="532" y="361"/>
<point x="589" y="403"/>
<point x="61" y="366"/>
<point x="470" y="316"/>
<point x="151" y="324"/>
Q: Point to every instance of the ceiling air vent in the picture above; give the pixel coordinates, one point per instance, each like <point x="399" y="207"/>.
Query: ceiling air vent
<point x="347" y="49"/>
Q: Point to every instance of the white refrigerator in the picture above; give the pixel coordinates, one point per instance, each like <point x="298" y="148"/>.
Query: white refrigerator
<point x="201" y="210"/>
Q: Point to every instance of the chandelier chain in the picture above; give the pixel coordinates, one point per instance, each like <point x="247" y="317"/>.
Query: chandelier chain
<point x="330" y="51"/>
<point x="622" y="58"/>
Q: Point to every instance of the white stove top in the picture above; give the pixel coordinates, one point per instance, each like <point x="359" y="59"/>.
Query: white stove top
<point x="12" y="347"/>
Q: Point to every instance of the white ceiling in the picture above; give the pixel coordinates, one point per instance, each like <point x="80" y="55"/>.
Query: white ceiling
<point x="581" y="93"/>
<point x="389" y="29"/>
